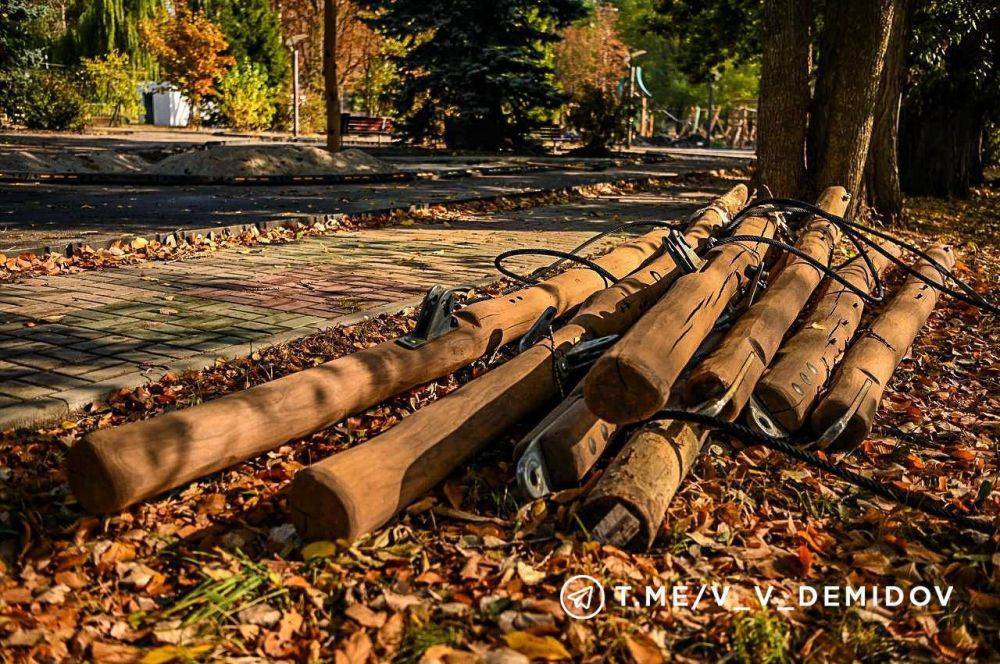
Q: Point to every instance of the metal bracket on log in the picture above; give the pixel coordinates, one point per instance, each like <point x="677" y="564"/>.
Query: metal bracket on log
<point x="713" y="407"/>
<point x="435" y="317"/>
<point x="537" y="329"/>
<point x="532" y="473"/>
<point x="834" y="430"/>
<point x="683" y="254"/>
<point x="760" y="419"/>
<point x="580" y="357"/>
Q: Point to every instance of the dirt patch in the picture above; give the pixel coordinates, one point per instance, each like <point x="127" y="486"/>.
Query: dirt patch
<point x="237" y="160"/>
<point x="103" y="161"/>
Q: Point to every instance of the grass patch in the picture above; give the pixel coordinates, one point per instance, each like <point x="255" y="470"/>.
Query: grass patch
<point x="761" y="638"/>
<point x="419" y="639"/>
<point x="225" y="592"/>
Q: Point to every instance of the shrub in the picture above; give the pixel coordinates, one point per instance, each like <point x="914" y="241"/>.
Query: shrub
<point x="113" y="86"/>
<point x="42" y="99"/>
<point x="601" y="118"/>
<point x="245" y="99"/>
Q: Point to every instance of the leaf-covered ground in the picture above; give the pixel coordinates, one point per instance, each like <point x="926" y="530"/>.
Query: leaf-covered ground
<point x="215" y="570"/>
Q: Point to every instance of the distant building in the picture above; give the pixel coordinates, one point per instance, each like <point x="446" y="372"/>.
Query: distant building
<point x="165" y="107"/>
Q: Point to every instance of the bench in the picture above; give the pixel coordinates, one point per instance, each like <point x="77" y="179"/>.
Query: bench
<point x="363" y="125"/>
<point x="553" y="134"/>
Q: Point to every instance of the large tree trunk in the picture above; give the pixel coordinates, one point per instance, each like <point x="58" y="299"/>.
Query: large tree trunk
<point x="855" y="41"/>
<point x="333" y="138"/>
<point x="881" y="180"/>
<point x="784" y="97"/>
<point x="941" y="149"/>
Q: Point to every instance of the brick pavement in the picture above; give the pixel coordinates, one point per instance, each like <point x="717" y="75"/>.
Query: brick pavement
<point x="70" y="339"/>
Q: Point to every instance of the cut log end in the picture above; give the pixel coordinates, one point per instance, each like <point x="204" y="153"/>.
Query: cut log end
<point x="618" y="526"/>
<point x="785" y="407"/>
<point x="317" y="509"/>
<point x="613" y="375"/>
<point x="93" y="484"/>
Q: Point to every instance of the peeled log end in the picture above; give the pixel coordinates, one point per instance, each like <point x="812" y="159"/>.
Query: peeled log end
<point x="92" y="477"/>
<point x="316" y="501"/>
<point x="857" y="429"/>
<point x="703" y="386"/>
<point x="781" y="406"/>
<point x="612" y="375"/>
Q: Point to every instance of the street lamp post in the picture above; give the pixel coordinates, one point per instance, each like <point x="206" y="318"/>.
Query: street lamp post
<point x="293" y="44"/>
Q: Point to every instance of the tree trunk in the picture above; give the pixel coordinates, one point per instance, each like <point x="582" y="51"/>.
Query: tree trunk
<point x="333" y="138"/>
<point x="784" y="96"/>
<point x="941" y="149"/>
<point x="881" y="180"/>
<point x="852" y="58"/>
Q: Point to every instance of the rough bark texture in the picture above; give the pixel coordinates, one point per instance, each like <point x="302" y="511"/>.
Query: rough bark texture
<point x="740" y="360"/>
<point x="873" y="358"/>
<point x="784" y="96"/>
<point x="357" y="490"/>
<point x="333" y="137"/>
<point x="852" y="58"/>
<point x="881" y="182"/>
<point x="645" y="475"/>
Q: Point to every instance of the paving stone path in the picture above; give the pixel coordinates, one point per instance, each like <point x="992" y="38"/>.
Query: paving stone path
<point x="70" y="339"/>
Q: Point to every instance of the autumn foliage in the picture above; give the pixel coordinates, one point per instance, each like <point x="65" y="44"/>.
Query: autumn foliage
<point x="591" y="53"/>
<point x="191" y="51"/>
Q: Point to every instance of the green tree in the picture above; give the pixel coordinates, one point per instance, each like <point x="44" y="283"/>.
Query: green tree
<point x="245" y="99"/>
<point x="477" y="72"/>
<point x="253" y="30"/>
<point x="113" y="86"/>
<point x="96" y="28"/>
<point x="19" y="46"/>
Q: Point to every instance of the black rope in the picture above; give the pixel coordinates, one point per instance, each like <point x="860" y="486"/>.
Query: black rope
<point x="790" y="447"/>
<point x="563" y="255"/>
<point x="854" y="232"/>
<point x="573" y="254"/>
<point x="825" y="269"/>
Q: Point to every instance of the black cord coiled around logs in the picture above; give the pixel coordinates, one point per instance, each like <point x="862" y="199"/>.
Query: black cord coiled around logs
<point x="790" y="447"/>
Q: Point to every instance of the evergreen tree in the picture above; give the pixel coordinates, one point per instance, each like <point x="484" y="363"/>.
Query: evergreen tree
<point x="18" y="45"/>
<point x="476" y="72"/>
<point x="253" y="30"/>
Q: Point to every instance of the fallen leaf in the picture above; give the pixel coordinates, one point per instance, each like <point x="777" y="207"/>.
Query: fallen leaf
<point x="643" y="650"/>
<point x="320" y="549"/>
<point x="536" y="647"/>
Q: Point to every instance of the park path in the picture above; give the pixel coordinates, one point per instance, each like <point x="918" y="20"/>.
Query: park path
<point x="68" y="340"/>
<point x="33" y="215"/>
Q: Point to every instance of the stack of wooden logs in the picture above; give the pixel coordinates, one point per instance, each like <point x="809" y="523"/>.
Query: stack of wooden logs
<point x="685" y="331"/>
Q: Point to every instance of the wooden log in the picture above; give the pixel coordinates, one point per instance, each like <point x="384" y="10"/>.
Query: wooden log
<point x="571" y="440"/>
<point x="628" y="503"/>
<point x="113" y="468"/>
<point x="803" y="365"/>
<point x="354" y="491"/>
<point x="856" y="391"/>
<point x="733" y="369"/>
<point x="633" y="380"/>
